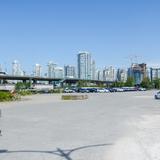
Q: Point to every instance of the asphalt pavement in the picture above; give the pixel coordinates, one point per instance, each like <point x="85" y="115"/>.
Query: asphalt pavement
<point x="107" y="126"/>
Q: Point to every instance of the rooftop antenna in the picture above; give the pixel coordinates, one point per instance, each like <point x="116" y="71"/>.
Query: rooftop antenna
<point x="134" y="58"/>
<point x="130" y="59"/>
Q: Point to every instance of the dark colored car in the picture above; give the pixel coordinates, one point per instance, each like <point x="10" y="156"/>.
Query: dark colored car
<point x="112" y="89"/>
<point x="83" y="90"/>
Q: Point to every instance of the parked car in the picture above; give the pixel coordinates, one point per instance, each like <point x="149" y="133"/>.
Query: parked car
<point x="102" y="90"/>
<point x="119" y="89"/>
<point x="106" y="90"/>
<point x="111" y="89"/>
<point x="92" y="90"/>
<point x="83" y="90"/>
<point x="69" y="91"/>
<point x="157" y="95"/>
<point x="127" y="89"/>
<point x="141" y="89"/>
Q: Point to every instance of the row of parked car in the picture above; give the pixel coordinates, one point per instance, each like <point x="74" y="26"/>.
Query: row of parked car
<point x="102" y="90"/>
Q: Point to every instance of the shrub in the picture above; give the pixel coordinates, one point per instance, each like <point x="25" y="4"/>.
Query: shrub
<point x="6" y="96"/>
<point x="57" y="91"/>
<point x="24" y="92"/>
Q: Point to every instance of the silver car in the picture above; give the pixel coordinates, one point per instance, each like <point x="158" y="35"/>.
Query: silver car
<point x="157" y="95"/>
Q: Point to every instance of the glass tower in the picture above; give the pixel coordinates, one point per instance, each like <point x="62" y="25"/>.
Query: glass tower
<point x="84" y="65"/>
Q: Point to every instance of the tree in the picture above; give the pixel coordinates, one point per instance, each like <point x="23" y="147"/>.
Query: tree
<point x="82" y="83"/>
<point x="146" y="83"/>
<point x="156" y="83"/>
<point x="21" y="85"/>
<point x="118" y="84"/>
<point x="101" y="85"/>
<point x="130" y="82"/>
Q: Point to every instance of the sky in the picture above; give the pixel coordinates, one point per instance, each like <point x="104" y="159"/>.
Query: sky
<point x="115" y="32"/>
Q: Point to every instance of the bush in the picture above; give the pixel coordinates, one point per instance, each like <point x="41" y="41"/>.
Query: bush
<point x="57" y="91"/>
<point x="21" y="85"/>
<point x="6" y="96"/>
<point x="24" y="92"/>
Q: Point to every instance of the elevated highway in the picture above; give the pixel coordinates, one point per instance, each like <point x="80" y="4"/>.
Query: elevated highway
<point x="34" y="79"/>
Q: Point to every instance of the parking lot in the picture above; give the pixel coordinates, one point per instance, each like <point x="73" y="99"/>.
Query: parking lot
<point x="114" y="126"/>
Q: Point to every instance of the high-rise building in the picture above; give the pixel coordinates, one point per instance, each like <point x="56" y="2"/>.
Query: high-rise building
<point x="59" y="72"/>
<point x="0" y="68"/>
<point x="51" y="69"/>
<point x="138" y="72"/>
<point x="154" y="73"/>
<point x="109" y="74"/>
<point x="16" y="69"/>
<point x="38" y="70"/>
<point x="99" y="75"/>
<point x="148" y="73"/>
<point x="93" y="70"/>
<point x="69" y="71"/>
<point x="143" y="69"/>
<point x="121" y="75"/>
<point x="84" y="65"/>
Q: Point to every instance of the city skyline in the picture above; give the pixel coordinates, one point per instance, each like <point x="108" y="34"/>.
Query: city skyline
<point x="87" y="70"/>
<point x="7" y="66"/>
<point x="9" y="69"/>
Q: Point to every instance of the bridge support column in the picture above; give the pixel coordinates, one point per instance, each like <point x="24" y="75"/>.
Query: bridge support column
<point x="30" y="81"/>
<point x="54" y="83"/>
<point x="50" y="82"/>
<point x="1" y="81"/>
<point x="24" y="81"/>
<point x="62" y="84"/>
<point x="34" y="81"/>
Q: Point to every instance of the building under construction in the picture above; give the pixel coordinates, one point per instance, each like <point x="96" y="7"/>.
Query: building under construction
<point x="138" y="72"/>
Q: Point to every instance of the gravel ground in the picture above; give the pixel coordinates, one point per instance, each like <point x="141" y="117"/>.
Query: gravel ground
<point x="111" y="126"/>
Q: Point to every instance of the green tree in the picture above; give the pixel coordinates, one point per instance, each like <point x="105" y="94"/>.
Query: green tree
<point x="118" y="84"/>
<point x="28" y="85"/>
<point x="82" y="83"/>
<point x="130" y="82"/>
<point x="156" y="83"/>
<point x="146" y="83"/>
<point x="21" y="85"/>
<point x="101" y="85"/>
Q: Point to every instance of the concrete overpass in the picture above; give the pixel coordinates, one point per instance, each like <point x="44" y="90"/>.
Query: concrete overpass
<point x="34" y="79"/>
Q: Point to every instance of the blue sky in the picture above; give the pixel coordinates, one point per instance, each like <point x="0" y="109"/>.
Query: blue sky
<point x="37" y="31"/>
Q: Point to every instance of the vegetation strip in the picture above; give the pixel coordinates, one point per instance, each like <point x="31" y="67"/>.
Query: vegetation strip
<point x="74" y="97"/>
